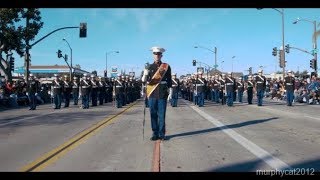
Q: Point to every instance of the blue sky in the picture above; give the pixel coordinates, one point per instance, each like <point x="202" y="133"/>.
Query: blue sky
<point x="246" y="33"/>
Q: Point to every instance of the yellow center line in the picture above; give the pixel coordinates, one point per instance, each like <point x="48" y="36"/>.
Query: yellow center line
<point x="53" y="155"/>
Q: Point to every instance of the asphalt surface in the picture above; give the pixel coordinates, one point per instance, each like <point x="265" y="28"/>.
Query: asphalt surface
<point x="213" y="138"/>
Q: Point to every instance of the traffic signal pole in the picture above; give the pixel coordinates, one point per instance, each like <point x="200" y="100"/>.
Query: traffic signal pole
<point x="29" y="46"/>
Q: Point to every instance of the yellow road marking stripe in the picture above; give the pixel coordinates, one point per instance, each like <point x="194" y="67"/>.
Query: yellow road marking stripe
<point x="58" y="152"/>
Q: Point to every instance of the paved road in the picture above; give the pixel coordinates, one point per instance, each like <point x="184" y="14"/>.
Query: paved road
<point x="215" y="138"/>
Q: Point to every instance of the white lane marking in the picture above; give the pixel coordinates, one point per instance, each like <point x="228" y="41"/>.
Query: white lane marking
<point x="27" y="118"/>
<point x="291" y="113"/>
<point x="250" y="146"/>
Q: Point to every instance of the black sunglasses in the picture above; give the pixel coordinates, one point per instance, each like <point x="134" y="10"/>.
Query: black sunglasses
<point x="157" y="53"/>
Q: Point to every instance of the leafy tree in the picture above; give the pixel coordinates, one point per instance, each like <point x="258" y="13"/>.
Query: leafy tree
<point x="77" y="66"/>
<point x="94" y="72"/>
<point x="15" y="35"/>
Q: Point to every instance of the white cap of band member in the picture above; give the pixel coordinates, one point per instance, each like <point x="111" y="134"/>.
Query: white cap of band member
<point x="260" y="71"/>
<point x="75" y="77"/>
<point x="289" y="71"/>
<point x="156" y="49"/>
<point x="92" y="75"/>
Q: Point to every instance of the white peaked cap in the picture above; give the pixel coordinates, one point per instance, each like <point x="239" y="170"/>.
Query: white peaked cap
<point x="260" y="70"/>
<point x="75" y="77"/>
<point x="289" y="71"/>
<point x="157" y="49"/>
<point x="92" y="75"/>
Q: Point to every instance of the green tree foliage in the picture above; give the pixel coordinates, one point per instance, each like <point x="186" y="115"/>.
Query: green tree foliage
<point x="14" y="34"/>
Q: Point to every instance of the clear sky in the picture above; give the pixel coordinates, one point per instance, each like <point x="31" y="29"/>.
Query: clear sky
<point x="246" y="33"/>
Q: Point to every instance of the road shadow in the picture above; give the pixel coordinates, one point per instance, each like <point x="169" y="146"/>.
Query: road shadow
<point x="254" y="165"/>
<point x="232" y="126"/>
<point x="59" y="118"/>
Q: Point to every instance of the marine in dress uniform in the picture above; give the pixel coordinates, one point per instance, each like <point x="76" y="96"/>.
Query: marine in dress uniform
<point x="289" y="84"/>
<point x="260" y="81"/>
<point x="102" y="90"/>
<point x="249" y="87"/>
<point x="94" y="90"/>
<point x="67" y="88"/>
<point x="159" y="81"/>
<point x="223" y="89"/>
<point x="200" y="88"/>
<point x="118" y="91"/>
<point x="216" y="88"/>
<point x="230" y="83"/>
<point x="175" y="90"/>
<point x="57" y="91"/>
<point x="85" y="91"/>
<point x="240" y="89"/>
<point x="75" y="90"/>
<point x="32" y="90"/>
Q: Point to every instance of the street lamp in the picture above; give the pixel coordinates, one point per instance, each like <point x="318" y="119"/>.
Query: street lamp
<point x="215" y="53"/>
<point x="315" y="54"/>
<point x="107" y="60"/>
<point x="232" y="62"/>
<point x="282" y="14"/>
<point x="70" y="58"/>
<point x="222" y="66"/>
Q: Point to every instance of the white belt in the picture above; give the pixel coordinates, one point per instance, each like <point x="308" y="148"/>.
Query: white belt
<point x="163" y="82"/>
<point x="259" y="82"/>
<point x="289" y="84"/>
<point x="84" y="86"/>
<point x="200" y="85"/>
<point x="229" y="83"/>
<point x="118" y="86"/>
<point x="174" y="85"/>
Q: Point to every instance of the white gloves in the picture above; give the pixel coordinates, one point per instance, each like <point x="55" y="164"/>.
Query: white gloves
<point x="170" y="94"/>
<point x="145" y="75"/>
<point x="145" y="72"/>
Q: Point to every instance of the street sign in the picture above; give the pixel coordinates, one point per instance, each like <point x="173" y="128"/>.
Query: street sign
<point x="314" y="51"/>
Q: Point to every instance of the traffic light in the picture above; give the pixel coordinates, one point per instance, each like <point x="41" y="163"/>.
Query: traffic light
<point x="313" y="64"/>
<point x="281" y="59"/>
<point x="83" y="30"/>
<point x="11" y="63"/>
<point x="59" y="53"/>
<point x="105" y="73"/>
<point x="274" y="52"/>
<point x="65" y="57"/>
<point x="250" y="70"/>
<point x="194" y="62"/>
<point x="287" y="48"/>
